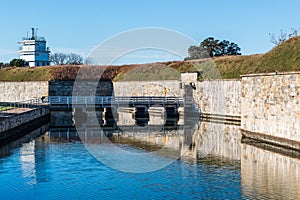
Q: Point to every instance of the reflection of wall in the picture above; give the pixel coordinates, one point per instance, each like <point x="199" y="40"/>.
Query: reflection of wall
<point x="61" y="118"/>
<point x="205" y="138"/>
<point x="222" y="140"/>
<point x="27" y="160"/>
<point x="269" y="174"/>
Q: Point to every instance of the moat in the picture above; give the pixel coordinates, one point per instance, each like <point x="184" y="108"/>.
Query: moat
<point x="55" y="162"/>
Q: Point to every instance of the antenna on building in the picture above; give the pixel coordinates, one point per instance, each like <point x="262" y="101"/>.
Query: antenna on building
<point x="32" y="33"/>
<point x="36" y="32"/>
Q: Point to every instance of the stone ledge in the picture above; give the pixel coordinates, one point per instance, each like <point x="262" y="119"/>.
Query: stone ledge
<point x="272" y="140"/>
<point x="270" y="74"/>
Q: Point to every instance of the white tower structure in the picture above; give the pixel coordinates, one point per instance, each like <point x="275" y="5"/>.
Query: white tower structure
<point x="34" y="50"/>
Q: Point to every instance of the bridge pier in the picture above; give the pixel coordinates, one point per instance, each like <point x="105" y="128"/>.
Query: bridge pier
<point x="109" y="116"/>
<point x="157" y="116"/>
<point x="126" y="116"/>
<point x="181" y="116"/>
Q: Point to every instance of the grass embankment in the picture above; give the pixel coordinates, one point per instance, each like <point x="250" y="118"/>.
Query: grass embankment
<point x="283" y="58"/>
<point x="26" y="74"/>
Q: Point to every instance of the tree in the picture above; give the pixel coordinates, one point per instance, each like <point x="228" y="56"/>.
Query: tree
<point x="283" y="36"/>
<point x="74" y="59"/>
<point x="17" y="62"/>
<point x="58" y="58"/>
<point x="196" y="53"/>
<point x="211" y="47"/>
<point x="64" y="59"/>
<point x="88" y="61"/>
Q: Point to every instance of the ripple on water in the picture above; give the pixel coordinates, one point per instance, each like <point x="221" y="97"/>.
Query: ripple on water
<point x="69" y="171"/>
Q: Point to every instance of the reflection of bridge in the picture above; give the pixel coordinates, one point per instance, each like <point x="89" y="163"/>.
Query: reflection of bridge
<point x="66" y="102"/>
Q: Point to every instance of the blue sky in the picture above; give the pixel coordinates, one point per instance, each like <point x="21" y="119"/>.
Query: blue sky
<point x="78" y="26"/>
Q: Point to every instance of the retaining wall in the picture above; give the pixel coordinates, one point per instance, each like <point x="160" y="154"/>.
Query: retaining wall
<point x="219" y="97"/>
<point x="9" y="127"/>
<point x="21" y="91"/>
<point x="85" y="88"/>
<point x="148" y="88"/>
<point x="266" y="104"/>
<point x="271" y="108"/>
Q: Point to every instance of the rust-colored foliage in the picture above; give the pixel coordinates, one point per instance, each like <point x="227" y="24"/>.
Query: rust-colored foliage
<point x="71" y="72"/>
<point x="65" y="72"/>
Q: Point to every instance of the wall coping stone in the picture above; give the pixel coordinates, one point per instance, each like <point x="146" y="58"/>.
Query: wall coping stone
<point x="270" y="74"/>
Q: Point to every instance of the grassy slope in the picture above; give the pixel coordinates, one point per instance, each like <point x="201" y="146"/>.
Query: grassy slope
<point x="283" y="58"/>
<point x="26" y="74"/>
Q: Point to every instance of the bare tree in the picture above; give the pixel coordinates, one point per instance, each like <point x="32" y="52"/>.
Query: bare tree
<point x="283" y="36"/>
<point x="63" y="59"/>
<point x="88" y="61"/>
<point x="58" y="58"/>
<point x="74" y="59"/>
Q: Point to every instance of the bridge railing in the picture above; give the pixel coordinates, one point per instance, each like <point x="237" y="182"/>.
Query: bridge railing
<point x="118" y="101"/>
<point x="31" y="103"/>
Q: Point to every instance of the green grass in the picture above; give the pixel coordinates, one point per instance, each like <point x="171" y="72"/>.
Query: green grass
<point x="26" y="74"/>
<point x="4" y="108"/>
<point x="282" y="58"/>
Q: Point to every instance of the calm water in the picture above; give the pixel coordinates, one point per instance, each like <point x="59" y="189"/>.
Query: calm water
<point x="56" y="165"/>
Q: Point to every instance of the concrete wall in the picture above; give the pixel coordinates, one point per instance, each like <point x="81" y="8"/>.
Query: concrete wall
<point x="271" y="106"/>
<point x="21" y="91"/>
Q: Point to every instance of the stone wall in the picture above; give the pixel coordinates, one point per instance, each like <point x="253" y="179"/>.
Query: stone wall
<point x="148" y="88"/>
<point x="85" y="88"/>
<point x="271" y="107"/>
<point x="215" y="97"/>
<point x="21" y="91"/>
<point x="219" y="97"/>
<point x="12" y="122"/>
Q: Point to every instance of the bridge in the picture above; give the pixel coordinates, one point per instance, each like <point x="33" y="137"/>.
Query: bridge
<point x="67" y="102"/>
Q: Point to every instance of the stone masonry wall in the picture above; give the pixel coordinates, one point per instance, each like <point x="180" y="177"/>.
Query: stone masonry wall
<point x="85" y="88"/>
<point x="26" y="117"/>
<point x="21" y="91"/>
<point x="271" y="105"/>
<point x="219" y="97"/>
<point x="148" y="88"/>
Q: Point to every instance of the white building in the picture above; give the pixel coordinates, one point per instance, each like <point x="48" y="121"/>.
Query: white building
<point x="34" y="50"/>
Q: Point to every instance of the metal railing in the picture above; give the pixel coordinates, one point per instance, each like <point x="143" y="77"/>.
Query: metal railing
<point x="118" y="101"/>
<point x="37" y="38"/>
<point x="32" y="103"/>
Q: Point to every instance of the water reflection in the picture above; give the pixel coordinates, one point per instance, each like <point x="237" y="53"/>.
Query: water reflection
<point x="27" y="159"/>
<point x="155" y="127"/>
<point x="269" y="175"/>
<point x="264" y="173"/>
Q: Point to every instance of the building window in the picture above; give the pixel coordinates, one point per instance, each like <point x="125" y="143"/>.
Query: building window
<point x="37" y="64"/>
